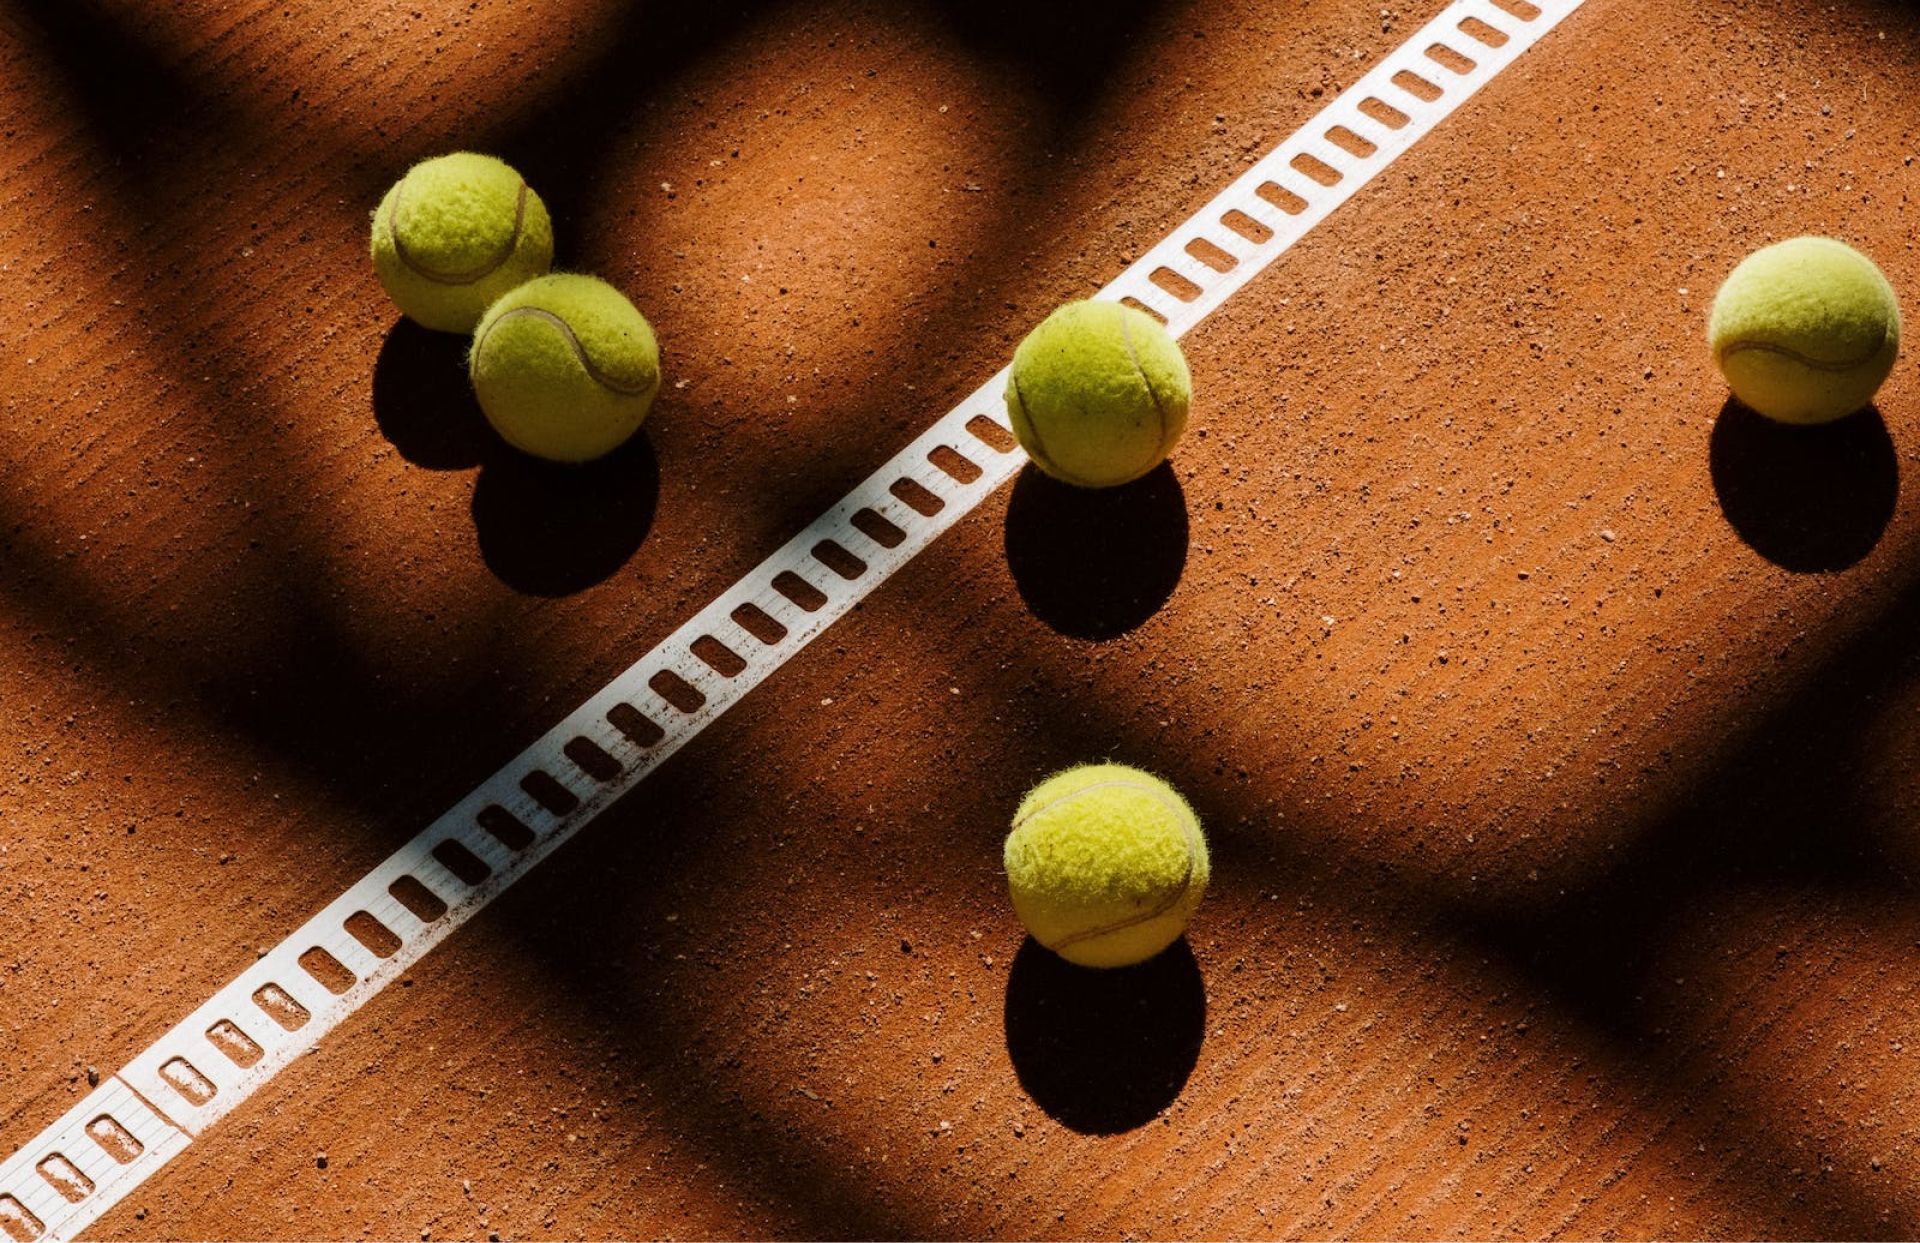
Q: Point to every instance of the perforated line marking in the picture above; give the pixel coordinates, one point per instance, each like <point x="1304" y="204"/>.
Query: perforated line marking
<point x="113" y="1167"/>
<point x="280" y="1008"/>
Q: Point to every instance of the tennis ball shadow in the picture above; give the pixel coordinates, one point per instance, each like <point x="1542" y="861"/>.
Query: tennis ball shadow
<point x="1808" y="499"/>
<point x="1094" y="563"/>
<point x="423" y="402"/>
<point x="1104" y="1051"/>
<point x="549" y="529"/>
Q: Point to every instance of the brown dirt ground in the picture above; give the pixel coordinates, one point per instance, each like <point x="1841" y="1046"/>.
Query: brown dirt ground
<point x="1554" y="726"/>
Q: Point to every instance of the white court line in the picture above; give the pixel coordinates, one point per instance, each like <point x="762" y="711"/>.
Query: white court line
<point x="277" y="1009"/>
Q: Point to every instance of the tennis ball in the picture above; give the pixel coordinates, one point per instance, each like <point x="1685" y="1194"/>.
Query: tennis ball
<point x="454" y="234"/>
<point x="1106" y="865"/>
<point x="1098" y="394"/>
<point x="1805" y="331"/>
<point x="564" y="367"/>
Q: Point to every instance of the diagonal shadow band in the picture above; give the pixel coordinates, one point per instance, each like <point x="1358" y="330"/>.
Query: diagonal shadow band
<point x="127" y="113"/>
<point x="307" y="655"/>
<point x="1779" y="804"/>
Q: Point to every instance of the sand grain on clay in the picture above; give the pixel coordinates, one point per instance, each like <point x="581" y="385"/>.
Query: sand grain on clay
<point x="1561" y="815"/>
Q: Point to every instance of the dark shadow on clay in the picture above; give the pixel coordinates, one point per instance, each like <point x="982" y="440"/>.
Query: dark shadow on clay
<point x="549" y="529"/>
<point x="1104" y="1051"/>
<point x="1808" y="499"/>
<point x="1071" y="45"/>
<point x="1095" y="563"/>
<point x="544" y="528"/>
<point x="129" y="92"/>
<point x="422" y="401"/>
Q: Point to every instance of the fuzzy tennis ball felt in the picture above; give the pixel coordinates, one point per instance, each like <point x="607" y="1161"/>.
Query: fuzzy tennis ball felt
<point x="1098" y="394"/>
<point x="1105" y="864"/>
<point x="454" y="234"/>
<point x="1805" y="331"/>
<point x="564" y="367"/>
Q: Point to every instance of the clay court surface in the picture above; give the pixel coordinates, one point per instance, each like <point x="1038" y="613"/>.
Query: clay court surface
<point x="1554" y="723"/>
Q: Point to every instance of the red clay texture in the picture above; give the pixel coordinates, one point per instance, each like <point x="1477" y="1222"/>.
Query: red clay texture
<point x="1552" y="720"/>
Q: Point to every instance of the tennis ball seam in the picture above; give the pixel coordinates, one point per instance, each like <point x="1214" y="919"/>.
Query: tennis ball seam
<point x="1146" y="382"/>
<point x="455" y="278"/>
<point x="1038" y="450"/>
<point x="1181" y="815"/>
<point x="1730" y="348"/>
<point x="579" y="350"/>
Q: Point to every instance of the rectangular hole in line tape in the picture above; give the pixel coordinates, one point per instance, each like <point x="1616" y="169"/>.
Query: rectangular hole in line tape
<point x="239" y="1047"/>
<point x="757" y="622"/>
<point x="379" y="940"/>
<point x="1441" y="54"/>
<point x="1281" y="197"/>
<point x="467" y="867"/>
<point x="590" y="759"/>
<point x="718" y="657"/>
<point x="1246" y="226"/>
<point x="17" y="1223"/>
<point x="277" y="1004"/>
<point x="836" y="558"/>
<point x="1417" y="86"/>
<point x="991" y="433"/>
<point x="504" y="827"/>
<point x="875" y="527"/>
<point x="114" y="1140"/>
<point x="1206" y="252"/>
<point x="679" y="692"/>
<point x="327" y="971"/>
<point x="635" y="726"/>
<point x="799" y="591"/>
<point x="64" y="1177"/>
<point x="1521" y="9"/>
<point x="914" y="495"/>
<point x="1481" y="32"/>
<point x="1350" y="142"/>
<point x="1321" y="171"/>
<point x="181" y="1075"/>
<point x="1175" y="284"/>
<point x="1384" y="112"/>
<point x="423" y="903"/>
<point x="1143" y="308"/>
<point x="952" y="462"/>
<point x="545" y="789"/>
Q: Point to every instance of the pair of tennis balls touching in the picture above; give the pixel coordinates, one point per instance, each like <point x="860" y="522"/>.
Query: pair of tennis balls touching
<point x="563" y="365"/>
<point x="1105" y="863"/>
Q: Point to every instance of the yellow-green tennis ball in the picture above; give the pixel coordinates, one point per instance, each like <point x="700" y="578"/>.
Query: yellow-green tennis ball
<point x="1106" y="865"/>
<point x="454" y="234"/>
<point x="1098" y="394"/>
<point x="564" y="367"/>
<point x="1805" y="331"/>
